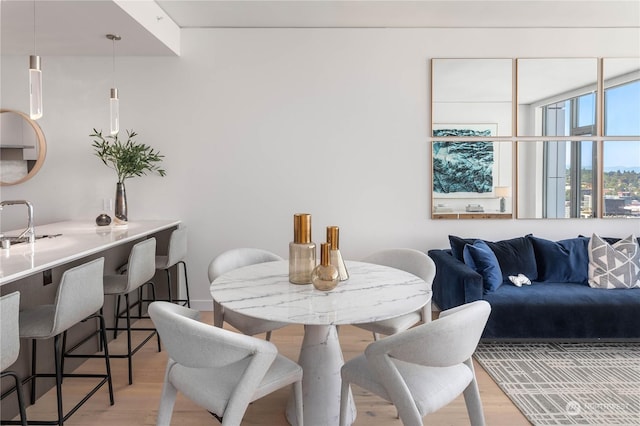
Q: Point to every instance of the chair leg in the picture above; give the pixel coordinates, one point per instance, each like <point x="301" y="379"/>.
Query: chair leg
<point x="297" y="390"/>
<point x="64" y="345"/>
<point x="57" y="355"/>
<point x="18" y="389"/>
<point x="472" y="399"/>
<point x="33" y="370"/>
<point x="129" y="354"/>
<point x="167" y="400"/>
<point x="268" y="336"/>
<point x="117" y="317"/>
<point x="153" y="298"/>
<point x="169" y="285"/>
<point x="186" y="282"/>
<point x="103" y="344"/>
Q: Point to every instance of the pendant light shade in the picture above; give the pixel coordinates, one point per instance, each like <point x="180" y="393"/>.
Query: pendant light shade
<point x="35" y="88"/>
<point x="114" y="102"/>
<point x="114" y="112"/>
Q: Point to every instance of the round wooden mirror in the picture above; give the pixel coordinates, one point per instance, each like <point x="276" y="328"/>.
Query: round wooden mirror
<point x="22" y="147"/>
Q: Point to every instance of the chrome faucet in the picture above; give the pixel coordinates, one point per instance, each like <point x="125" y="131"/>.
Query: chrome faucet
<point x="28" y="233"/>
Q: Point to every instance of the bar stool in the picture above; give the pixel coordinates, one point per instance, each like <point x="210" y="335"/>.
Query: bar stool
<point x="79" y="297"/>
<point x="176" y="254"/>
<point x="10" y="348"/>
<point x="140" y="272"/>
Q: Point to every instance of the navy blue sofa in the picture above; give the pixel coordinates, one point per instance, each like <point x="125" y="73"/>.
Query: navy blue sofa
<point x="559" y="303"/>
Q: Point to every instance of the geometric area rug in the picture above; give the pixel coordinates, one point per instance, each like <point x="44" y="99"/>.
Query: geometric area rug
<point x="568" y="383"/>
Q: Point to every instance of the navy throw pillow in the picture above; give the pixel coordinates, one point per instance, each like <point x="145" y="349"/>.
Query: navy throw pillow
<point x="481" y="258"/>
<point x="515" y="256"/>
<point x="457" y="246"/>
<point x="562" y="261"/>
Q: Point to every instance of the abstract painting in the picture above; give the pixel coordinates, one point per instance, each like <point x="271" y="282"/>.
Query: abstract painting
<point x="463" y="169"/>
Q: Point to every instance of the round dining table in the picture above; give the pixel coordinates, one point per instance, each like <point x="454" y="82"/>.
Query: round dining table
<point x="372" y="293"/>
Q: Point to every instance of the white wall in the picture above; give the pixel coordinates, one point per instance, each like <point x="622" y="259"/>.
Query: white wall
<point x="259" y="124"/>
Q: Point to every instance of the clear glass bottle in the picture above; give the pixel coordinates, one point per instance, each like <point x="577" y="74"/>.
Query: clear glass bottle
<point x="325" y="276"/>
<point x="335" y="257"/>
<point x="302" y="251"/>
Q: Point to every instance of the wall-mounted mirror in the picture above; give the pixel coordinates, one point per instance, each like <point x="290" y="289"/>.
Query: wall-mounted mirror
<point x="621" y="158"/>
<point x="472" y="91"/>
<point x="556" y="178"/>
<point x="472" y="179"/>
<point x="22" y="147"/>
<point x="577" y="133"/>
<point x="471" y="98"/>
<point x="557" y="97"/>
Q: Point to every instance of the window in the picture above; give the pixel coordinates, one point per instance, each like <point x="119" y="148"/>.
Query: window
<point x="570" y="162"/>
<point x="621" y="177"/>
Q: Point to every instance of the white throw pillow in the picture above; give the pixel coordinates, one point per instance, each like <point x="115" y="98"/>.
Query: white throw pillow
<point x="614" y="266"/>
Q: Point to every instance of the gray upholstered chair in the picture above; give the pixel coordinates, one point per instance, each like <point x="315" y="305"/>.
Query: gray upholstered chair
<point x="79" y="297"/>
<point x="141" y="269"/>
<point x="228" y="261"/>
<point x="176" y="254"/>
<point x="425" y="368"/>
<point x="220" y="370"/>
<point x="415" y="262"/>
<point x="10" y="347"/>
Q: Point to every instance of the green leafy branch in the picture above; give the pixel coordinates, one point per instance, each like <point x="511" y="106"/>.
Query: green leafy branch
<point x="128" y="159"/>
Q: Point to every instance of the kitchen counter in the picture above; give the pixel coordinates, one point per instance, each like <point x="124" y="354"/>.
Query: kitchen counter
<point x="77" y="239"/>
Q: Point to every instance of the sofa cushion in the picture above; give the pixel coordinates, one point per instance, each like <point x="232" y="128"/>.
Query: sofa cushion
<point x="562" y="261"/>
<point x="612" y="240"/>
<point x="515" y="256"/>
<point x="457" y="246"/>
<point x="479" y="257"/>
<point x="562" y="311"/>
<point x="614" y="266"/>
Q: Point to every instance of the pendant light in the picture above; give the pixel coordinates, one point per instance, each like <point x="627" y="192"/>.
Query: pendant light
<point x="35" y="77"/>
<point x="114" y="103"/>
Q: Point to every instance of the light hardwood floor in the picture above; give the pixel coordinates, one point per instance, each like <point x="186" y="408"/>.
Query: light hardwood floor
<point x="136" y="404"/>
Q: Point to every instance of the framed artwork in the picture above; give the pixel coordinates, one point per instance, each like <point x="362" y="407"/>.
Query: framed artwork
<point x="463" y="169"/>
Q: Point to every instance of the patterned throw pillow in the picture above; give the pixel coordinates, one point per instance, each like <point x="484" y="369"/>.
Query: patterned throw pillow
<point x="614" y="266"/>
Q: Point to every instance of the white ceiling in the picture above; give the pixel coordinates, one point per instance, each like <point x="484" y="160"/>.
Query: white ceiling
<point x="148" y="27"/>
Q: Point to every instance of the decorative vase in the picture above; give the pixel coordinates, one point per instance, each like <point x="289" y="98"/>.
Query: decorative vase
<point x="103" y="220"/>
<point x="325" y="276"/>
<point x="335" y="257"/>
<point x="121" y="205"/>
<point x="302" y="251"/>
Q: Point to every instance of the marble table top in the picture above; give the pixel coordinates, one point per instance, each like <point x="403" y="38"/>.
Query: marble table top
<point x="372" y="293"/>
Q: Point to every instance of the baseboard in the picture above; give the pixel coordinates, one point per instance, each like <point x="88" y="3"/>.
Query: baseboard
<point x="202" y="305"/>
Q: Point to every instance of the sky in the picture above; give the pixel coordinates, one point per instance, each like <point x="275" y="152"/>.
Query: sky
<point x="622" y="117"/>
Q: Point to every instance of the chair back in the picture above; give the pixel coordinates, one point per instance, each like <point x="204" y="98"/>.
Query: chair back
<point x="177" y="249"/>
<point x="142" y="264"/>
<point x="198" y="345"/>
<point x="413" y="261"/>
<point x="79" y="295"/>
<point x="237" y="258"/>
<point x="447" y="341"/>
<point x="9" y="329"/>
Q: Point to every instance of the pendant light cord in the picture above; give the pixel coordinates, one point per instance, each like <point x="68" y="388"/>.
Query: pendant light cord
<point x="113" y="38"/>
<point x="34" y="28"/>
<point x="113" y="43"/>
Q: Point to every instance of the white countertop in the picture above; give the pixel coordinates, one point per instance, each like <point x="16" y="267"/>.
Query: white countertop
<point x="78" y="239"/>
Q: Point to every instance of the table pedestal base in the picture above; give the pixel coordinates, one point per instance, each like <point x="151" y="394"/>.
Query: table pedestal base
<point x="321" y="360"/>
